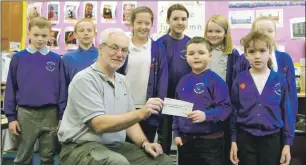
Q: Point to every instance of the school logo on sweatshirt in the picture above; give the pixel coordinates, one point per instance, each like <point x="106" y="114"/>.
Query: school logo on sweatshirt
<point x="183" y="54"/>
<point x="50" y="66"/>
<point x="199" y="88"/>
<point x="277" y="89"/>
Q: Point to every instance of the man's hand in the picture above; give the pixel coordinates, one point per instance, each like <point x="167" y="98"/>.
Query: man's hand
<point x="154" y="149"/>
<point x="14" y="127"/>
<point x="197" y="116"/>
<point x="286" y="156"/>
<point x="153" y="106"/>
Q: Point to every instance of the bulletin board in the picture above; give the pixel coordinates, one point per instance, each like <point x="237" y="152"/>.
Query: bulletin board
<point x="63" y="24"/>
<point x="295" y="47"/>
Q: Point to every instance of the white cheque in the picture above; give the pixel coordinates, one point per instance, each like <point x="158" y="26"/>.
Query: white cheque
<point x="176" y="107"/>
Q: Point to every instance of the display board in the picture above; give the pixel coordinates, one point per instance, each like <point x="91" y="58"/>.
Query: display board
<point x="108" y="14"/>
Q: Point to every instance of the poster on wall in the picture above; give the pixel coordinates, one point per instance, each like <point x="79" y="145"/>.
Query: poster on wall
<point x="90" y="10"/>
<point x="70" y="39"/>
<point x="297" y="28"/>
<point x="241" y="19"/>
<point x="127" y="7"/>
<point x="53" y="12"/>
<point x="196" y="20"/>
<point x="240" y="4"/>
<point x="34" y="10"/>
<point x="252" y="4"/>
<point x="53" y="42"/>
<point x="275" y="14"/>
<point x="71" y="12"/>
<point x="108" y="11"/>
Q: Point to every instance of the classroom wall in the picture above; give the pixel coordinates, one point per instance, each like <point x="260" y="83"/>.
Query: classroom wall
<point x="100" y="26"/>
<point x="296" y="48"/>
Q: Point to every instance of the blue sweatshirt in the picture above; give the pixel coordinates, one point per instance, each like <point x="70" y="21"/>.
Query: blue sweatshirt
<point x="77" y="60"/>
<point x="158" y="77"/>
<point x="178" y="66"/>
<point x="231" y="61"/>
<point x="262" y="114"/>
<point x="35" y="80"/>
<point x="285" y="67"/>
<point x="209" y="93"/>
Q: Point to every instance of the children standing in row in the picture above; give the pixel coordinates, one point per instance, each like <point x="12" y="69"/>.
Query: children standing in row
<point x="34" y="96"/>
<point x="175" y="43"/>
<point x="263" y="119"/>
<point x="200" y="136"/>
<point x="85" y="55"/>
<point x="146" y="67"/>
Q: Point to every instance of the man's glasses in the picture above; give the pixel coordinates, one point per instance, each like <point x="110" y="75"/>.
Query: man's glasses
<point x="115" y="49"/>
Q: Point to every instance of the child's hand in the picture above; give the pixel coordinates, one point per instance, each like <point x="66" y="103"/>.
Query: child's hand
<point x="197" y="116"/>
<point x="13" y="126"/>
<point x="286" y="156"/>
<point x="233" y="153"/>
<point x="178" y="141"/>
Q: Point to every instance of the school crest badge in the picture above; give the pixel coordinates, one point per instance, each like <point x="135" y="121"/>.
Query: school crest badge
<point x="277" y="89"/>
<point x="183" y="54"/>
<point x="50" y="66"/>
<point x="199" y="88"/>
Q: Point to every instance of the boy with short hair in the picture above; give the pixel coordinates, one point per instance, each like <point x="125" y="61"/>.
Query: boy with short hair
<point x="200" y="136"/>
<point x="85" y="55"/>
<point x="34" y="96"/>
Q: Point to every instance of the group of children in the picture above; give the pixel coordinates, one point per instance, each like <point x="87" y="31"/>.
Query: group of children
<point x="244" y="105"/>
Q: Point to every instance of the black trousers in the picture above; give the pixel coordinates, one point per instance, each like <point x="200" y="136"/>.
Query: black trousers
<point x="254" y="150"/>
<point x="199" y="151"/>
<point x="164" y="132"/>
<point x="227" y="143"/>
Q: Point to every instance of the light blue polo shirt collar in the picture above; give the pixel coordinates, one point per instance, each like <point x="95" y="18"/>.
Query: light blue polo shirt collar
<point x="96" y="67"/>
<point x="44" y="50"/>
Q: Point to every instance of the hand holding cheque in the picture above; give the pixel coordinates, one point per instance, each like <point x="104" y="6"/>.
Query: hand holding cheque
<point x="182" y="108"/>
<point x="152" y="106"/>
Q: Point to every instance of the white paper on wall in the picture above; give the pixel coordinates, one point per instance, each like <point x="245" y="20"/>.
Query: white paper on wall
<point x="196" y="21"/>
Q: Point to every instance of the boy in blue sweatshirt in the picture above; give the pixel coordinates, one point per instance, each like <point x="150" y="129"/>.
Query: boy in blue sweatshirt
<point x="34" y="96"/>
<point x="200" y="136"/>
<point x="85" y="55"/>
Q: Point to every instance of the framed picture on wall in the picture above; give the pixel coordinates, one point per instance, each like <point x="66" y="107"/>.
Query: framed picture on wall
<point x="53" y="12"/>
<point x="127" y="7"/>
<point x="53" y="42"/>
<point x="297" y="28"/>
<point x="90" y="10"/>
<point x="275" y="14"/>
<point x="108" y="12"/>
<point x="34" y="10"/>
<point x="241" y="19"/>
<point x="70" y="39"/>
<point x="71" y="12"/>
